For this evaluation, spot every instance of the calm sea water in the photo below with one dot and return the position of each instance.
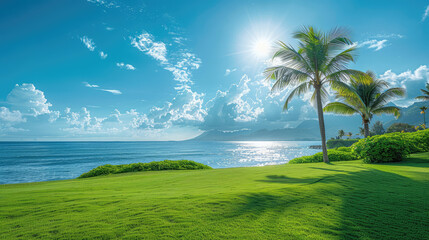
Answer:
(44, 161)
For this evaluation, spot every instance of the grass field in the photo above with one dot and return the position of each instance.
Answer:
(343, 200)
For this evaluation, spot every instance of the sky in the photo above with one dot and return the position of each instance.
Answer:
(170, 70)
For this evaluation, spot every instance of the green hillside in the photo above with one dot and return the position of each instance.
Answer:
(343, 200)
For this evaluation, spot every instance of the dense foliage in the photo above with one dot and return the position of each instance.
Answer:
(399, 127)
(334, 156)
(335, 143)
(151, 166)
(392, 147)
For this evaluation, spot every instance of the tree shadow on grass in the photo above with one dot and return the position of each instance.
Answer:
(367, 203)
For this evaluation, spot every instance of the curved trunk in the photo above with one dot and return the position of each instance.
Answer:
(321, 125)
(366, 127)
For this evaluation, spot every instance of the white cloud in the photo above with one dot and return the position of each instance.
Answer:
(109, 29)
(126, 66)
(425, 14)
(11, 116)
(89, 43)
(376, 44)
(145, 43)
(412, 81)
(29, 100)
(103, 55)
(229, 71)
(115, 92)
(90, 85)
(105, 3)
(390, 35)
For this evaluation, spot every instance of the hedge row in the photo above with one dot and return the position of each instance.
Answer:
(343, 154)
(335, 143)
(391, 147)
(151, 166)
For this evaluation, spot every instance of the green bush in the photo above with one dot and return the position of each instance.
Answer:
(381, 148)
(335, 143)
(391, 147)
(344, 149)
(151, 166)
(334, 156)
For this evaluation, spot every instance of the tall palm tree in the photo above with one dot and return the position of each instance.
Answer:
(341, 133)
(425, 96)
(424, 115)
(321, 59)
(365, 96)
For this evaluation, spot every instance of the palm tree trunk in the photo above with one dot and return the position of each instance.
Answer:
(321, 125)
(366, 127)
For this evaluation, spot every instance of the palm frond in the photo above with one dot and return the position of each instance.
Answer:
(299, 90)
(387, 110)
(284, 76)
(340, 108)
(387, 96)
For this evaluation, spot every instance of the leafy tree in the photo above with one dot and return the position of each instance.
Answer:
(341, 134)
(365, 97)
(400, 127)
(377, 128)
(425, 96)
(320, 60)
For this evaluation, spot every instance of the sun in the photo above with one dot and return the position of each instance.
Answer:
(261, 47)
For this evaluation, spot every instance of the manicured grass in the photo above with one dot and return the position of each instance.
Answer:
(342, 200)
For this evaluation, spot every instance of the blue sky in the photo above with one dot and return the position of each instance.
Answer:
(169, 70)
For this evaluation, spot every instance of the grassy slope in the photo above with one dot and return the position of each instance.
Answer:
(319, 201)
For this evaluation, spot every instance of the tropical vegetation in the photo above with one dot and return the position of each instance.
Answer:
(391, 147)
(400, 127)
(150, 166)
(335, 143)
(423, 112)
(366, 96)
(319, 61)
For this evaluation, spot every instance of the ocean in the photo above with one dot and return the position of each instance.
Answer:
(22, 162)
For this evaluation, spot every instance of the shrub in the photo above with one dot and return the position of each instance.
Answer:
(381, 148)
(151, 166)
(334, 156)
(344, 149)
(399, 127)
(391, 147)
(335, 143)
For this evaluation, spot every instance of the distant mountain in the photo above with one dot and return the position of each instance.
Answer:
(308, 130)
(411, 115)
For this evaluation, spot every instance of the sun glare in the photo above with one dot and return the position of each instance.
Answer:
(261, 48)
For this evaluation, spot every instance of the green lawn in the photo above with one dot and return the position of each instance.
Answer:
(343, 200)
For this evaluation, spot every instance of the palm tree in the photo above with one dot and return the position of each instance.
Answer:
(361, 131)
(350, 134)
(425, 92)
(424, 115)
(341, 133)
(365, 96)
(321, 59)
